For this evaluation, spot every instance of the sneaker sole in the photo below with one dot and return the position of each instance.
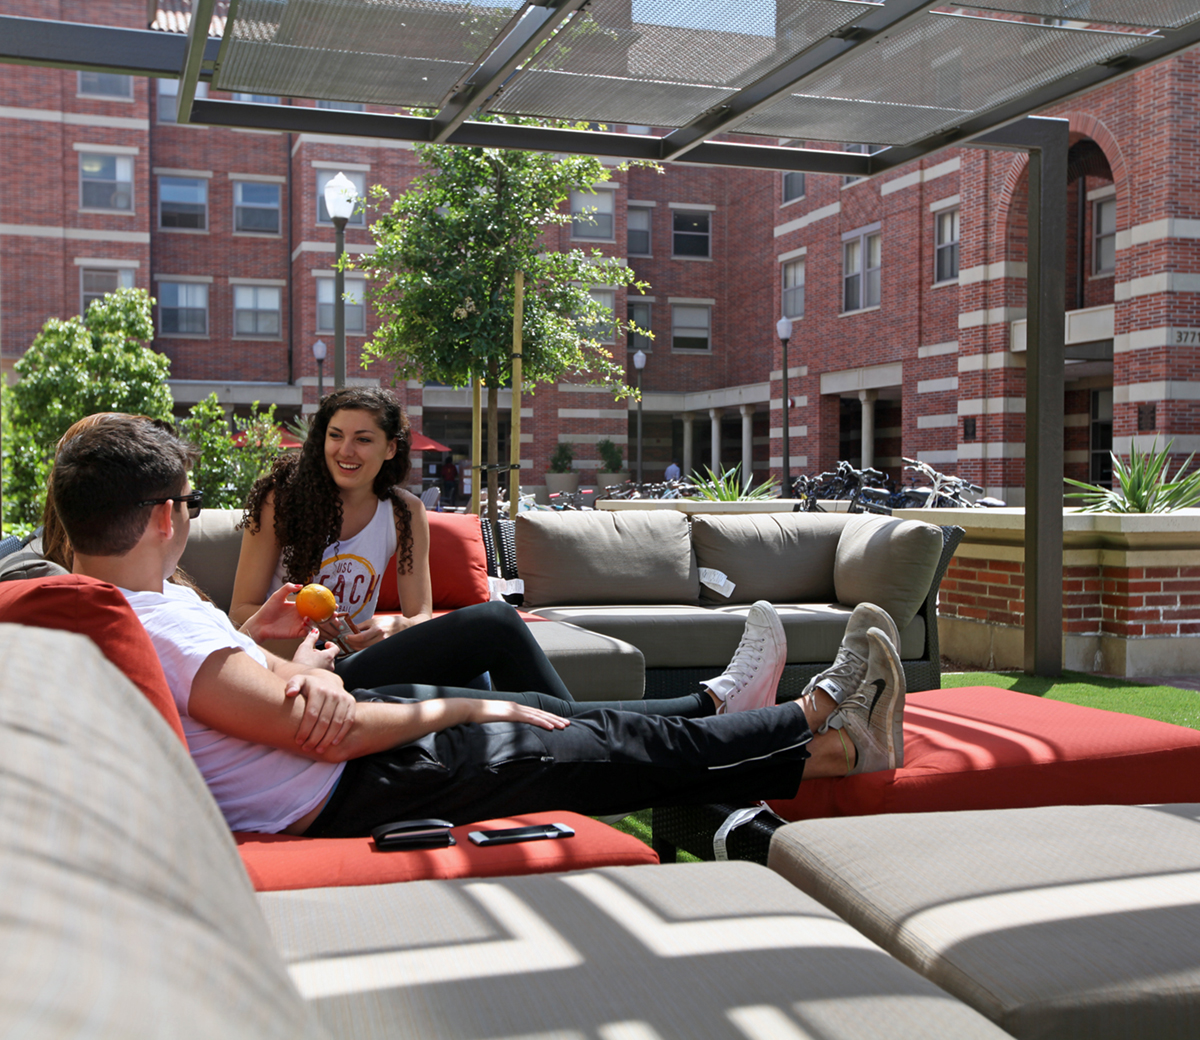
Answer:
(894, 720)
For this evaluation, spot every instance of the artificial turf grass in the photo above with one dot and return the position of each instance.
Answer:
(1164, 703)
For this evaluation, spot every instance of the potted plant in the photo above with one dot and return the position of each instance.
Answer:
(611, 463)
(561, 477)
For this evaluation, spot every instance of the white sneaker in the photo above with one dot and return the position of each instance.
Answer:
(873, 716)
(752, 678)
(843, 678)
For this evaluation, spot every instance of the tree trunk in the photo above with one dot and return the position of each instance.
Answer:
(493, 456)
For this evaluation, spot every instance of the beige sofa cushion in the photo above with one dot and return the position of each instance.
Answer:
(127, 912)
(1066, 921)
(602, 557)
(887, 562)
(211, 553)
(780, 557)
(697, 950)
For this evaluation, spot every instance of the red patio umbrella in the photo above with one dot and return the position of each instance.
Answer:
(419, 442)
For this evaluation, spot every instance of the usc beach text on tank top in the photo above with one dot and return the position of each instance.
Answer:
(352, 569)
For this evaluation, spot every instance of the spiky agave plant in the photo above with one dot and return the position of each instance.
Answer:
(726, 486)
(1144, 485)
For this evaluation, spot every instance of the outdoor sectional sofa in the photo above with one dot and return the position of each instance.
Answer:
(616, 598)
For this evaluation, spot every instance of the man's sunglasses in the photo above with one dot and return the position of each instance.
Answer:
(193, 502)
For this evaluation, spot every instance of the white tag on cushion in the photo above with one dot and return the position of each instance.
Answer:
(716, 580)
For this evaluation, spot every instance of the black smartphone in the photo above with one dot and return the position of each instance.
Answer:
(413, 834)
(511, 834)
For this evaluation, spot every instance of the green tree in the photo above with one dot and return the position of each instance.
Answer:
(230, 462)
(447, 253)
(77, 366)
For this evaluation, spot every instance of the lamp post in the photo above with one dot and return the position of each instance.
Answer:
(783, 328)
(319, 353)
(639, 362)
(340, 198)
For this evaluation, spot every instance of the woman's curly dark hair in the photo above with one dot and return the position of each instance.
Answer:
(308, 507)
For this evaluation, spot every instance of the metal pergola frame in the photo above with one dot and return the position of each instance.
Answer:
(1009, 126)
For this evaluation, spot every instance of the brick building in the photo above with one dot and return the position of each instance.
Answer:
(906, 291)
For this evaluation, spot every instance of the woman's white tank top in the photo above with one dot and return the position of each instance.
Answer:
(353, 569)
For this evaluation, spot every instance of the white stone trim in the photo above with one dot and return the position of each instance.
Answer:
(800, 401)
(1152, 285)
(641, 203)
(992, 406)
(353, 167)
(692, 301)
(935, 458)
(992, 450)
(190, 279)
(170, 171)
(792, 254)
(991, 316)
(949, 202)
(793, 431)
(593, 413)
(1145, 339)
(987, 362)
(359, 142)
(938, 349)
(1097, 194)
(329, 247)
(993, 272)
(1169, 227)
(118, 265)
(1181, 445)
(868, 378)
(697, 206)
(261, 178)
(256, 281)
(920, 176)
(105, 149)
(937, 386)
(936, 422)
(1160, 390)
(797, 462)
(811, 217)
(79, 234)
(50, 115)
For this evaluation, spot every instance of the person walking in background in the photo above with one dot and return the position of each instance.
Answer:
(449, 475)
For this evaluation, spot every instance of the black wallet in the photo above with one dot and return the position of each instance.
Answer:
(413, 834)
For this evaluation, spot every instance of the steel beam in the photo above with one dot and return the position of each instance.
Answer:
(92, 48)
(189, 76)
(537, 24)
(1046, 141)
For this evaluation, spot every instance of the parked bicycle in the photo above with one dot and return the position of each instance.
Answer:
(660, 489)
(570, 500)
(870, 491)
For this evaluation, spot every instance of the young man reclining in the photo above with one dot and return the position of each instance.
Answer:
(287, 748)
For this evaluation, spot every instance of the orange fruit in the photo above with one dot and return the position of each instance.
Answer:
(316, 603)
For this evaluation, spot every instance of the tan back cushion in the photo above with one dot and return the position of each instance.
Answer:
(781, 557)
(887, 562)
(127, 908)
(211, 553)
(602, 557)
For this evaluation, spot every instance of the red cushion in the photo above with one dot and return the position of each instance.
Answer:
(457, 564)
(979, 747)
(98, 610)
(281, 861)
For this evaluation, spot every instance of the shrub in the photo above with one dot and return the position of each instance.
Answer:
(1143, 486)
(561, 459)
(610, 456)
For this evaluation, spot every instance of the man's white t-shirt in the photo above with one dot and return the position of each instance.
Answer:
(258, 788)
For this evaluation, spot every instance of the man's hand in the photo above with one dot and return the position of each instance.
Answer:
(329, 710)
(508, 711)
(277, 618)
(308, 656)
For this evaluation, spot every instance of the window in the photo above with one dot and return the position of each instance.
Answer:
(357, 179)
(793, 289)
(603, 330)
(860, 149)
(182, 308)
(355, 311)
(690, 327)
(1104, 230)
(793, 186)
(183, 203)
(343, 106)
(94, 282)
(1100, 440)
(168, 95)
(105, 84)
(639, 314)
(861, 261)
(256, 310)
(256, 207)
(592, 214)
(105, 181)
(691, 233)
(638, 229)
(257, 99)
(945, 264)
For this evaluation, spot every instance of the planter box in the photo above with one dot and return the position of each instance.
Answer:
(556, 483)
(695, 505)
(1131, 591)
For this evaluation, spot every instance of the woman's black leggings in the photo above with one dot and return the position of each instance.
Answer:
(442, 656)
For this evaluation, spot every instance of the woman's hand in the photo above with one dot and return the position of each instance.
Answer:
(277, 618)
(308, 656)
(509, 711)
(328, 710)
(380, 627)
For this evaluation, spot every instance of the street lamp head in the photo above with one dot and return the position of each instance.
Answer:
(320, 350)
(784, 328)
(639, 360)
(340, 197)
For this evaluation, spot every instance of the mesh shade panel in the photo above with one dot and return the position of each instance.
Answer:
(1157, 14)
(961, 66)
(395, 52)
(669, 66)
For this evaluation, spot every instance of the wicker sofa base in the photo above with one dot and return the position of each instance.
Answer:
(691, 828)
